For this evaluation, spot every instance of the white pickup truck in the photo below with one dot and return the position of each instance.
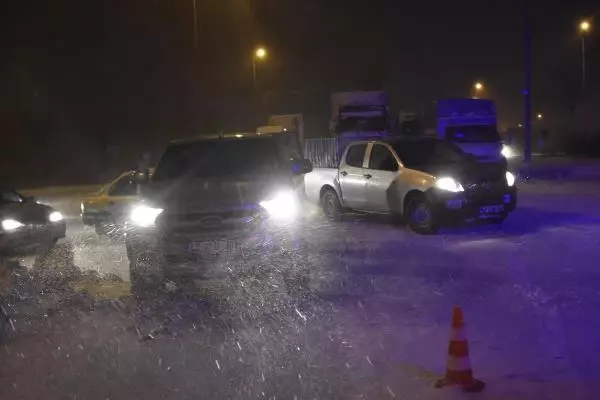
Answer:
(426, 181)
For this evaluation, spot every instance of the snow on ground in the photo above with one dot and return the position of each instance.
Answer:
(374, 324)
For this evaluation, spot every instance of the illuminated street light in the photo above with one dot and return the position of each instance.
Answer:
(259, 54)
(540, 116)
(585, 26)
(478, 88)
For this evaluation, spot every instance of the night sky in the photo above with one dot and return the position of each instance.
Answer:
(116, 71)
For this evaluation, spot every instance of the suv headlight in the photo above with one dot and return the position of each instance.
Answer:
(510, 178)
(11, 224)
(55, 216)
(449, 184)
(144, 216)
(283, 205)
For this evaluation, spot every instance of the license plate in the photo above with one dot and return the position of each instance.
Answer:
(216, 247)
(491, 210)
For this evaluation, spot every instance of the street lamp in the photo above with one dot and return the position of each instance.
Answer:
(540, 116)
(259, 54)
(585, 27)
(478, 87)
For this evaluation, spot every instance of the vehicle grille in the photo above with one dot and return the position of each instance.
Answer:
(486, 192)
(209, 223)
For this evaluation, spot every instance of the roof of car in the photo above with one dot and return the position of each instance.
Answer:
(236, 136)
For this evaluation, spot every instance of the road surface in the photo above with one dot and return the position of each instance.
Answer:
(374, 323)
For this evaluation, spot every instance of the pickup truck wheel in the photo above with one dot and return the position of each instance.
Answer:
(331, 205)
(421, 216)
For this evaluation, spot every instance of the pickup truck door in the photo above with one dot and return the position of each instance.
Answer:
(353, 184)
(381, 172)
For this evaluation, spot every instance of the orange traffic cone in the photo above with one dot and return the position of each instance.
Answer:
(458, 368)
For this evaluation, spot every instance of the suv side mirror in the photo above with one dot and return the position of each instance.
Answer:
(301, 167)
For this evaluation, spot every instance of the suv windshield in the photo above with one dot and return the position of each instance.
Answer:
(473, 134)
(219, 158)
(414, 153)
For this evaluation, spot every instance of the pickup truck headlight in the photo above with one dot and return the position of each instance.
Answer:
(283, 205)
(449, 184)
(510, 178)
(144, 216)
(11, 224)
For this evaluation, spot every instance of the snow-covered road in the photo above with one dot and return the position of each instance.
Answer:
(374, 325)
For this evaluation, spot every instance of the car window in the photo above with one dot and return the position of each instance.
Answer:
(125, 186)
(10, 196)
(382, 159)
(356, 155)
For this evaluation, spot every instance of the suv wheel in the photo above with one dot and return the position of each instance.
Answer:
(331, 205)
(421, 216)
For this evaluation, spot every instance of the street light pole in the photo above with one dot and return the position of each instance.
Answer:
(260, 54)
(582, 62)
(584, 28)
(254, 72)
(527, 80)
(195, 26)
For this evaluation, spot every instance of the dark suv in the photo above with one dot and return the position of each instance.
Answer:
(210, 198)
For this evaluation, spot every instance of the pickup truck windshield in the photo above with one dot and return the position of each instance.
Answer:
(473, 134)
(214, 159)
(428, 152)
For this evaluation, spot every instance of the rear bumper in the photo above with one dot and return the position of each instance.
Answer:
(29, 242)
(455, 207)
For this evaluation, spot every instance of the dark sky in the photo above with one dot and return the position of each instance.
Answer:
(127, 68)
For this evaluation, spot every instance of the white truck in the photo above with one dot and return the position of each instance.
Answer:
(426, 181)
(469, 123)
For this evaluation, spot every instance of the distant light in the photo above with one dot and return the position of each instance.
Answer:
(540, 116)
(285, 129)
(585, 26)
(239, 135)
(478, 86)
(260, 53)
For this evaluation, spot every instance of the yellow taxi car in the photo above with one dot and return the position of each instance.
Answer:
(106, 209)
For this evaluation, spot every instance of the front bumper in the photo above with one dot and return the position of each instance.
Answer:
(30, 240)
(454, 207)
(187, 250)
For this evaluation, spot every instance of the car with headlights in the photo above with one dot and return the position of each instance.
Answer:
(27, 227)
(209, 197)
(107, 209)
(425, 181)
